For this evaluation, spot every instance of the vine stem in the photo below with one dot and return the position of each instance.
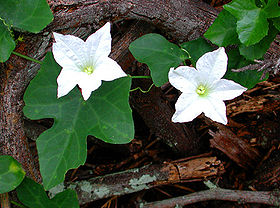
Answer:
(26, 57)
(143, 91)
(17, 204)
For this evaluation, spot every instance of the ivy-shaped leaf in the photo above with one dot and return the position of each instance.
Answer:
(7, 44)
(159, 54)
(11, 173)
(29, 15)
(33, 195)
(252, 24)
(258, 50)
(106, 115)
(223, 30)
(197, 48)
(247, 78)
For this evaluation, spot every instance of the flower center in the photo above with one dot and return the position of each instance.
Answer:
(201, 90)
(88, 69)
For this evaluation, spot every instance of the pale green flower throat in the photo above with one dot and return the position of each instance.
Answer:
(202, 90)
(88, 69)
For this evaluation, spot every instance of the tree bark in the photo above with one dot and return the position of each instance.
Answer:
(130, 181)
(234, 147)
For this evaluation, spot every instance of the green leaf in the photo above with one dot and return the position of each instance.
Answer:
(11, 173)
(252, 25)
(159, 54)
(197, 48)
(276, 23)
(247, 78)
(7, 44)
(29, 15)
(258, 50)
(106, 115)
(272, 9)
(33, 195)
(66, 199)
(223, 30)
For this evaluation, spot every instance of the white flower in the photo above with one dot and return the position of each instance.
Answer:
(85, 63)
(202, 89)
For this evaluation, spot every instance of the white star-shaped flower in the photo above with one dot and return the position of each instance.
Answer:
(85, 63)
(203, 89)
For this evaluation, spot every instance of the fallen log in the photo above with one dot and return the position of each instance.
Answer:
(137, 179)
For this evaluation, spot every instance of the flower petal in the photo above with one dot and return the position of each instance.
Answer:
(66, 81)
(183, 78)
(88, 83)
(215, 109)
(107, 69)
(213, 64)
(227, 90)
(188, 107)
(99, 43)
(69, 51)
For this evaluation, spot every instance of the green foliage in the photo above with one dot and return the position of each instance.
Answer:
(106, 115)
(276, 23)
(247, 78)
(272, 9)
(33, 195)
(196, 48)
(159, 54)
(11, 173)
(252, 24)
(256, 23)
(7, 44)
(66, 199)
(29, 15)
(223, 31)
(259, 49)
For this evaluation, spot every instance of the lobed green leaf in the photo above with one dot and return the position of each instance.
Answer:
(223, 30)
(11, 173)
(252, 24)
(258, 50)
(105, 115)
(159, 54)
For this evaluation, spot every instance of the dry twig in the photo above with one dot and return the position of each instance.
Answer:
(242, 197)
